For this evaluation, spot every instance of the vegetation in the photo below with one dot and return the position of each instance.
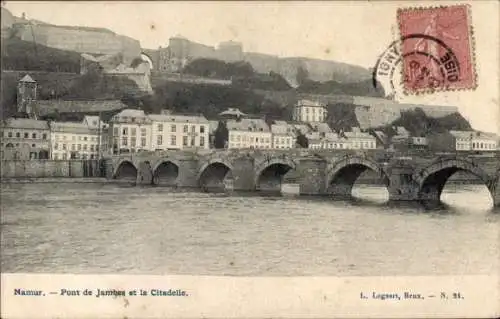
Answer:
(221, 135)
(302, 140)
(23, 55)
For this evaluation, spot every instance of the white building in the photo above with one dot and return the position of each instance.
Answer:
(129, 131)
(475, 141)
(169, 131)
(358, 140)
(249, 133)
(73, 140)
(283, 135)
(463, 140)
(484, 141)
(331, 140)
(309, 111)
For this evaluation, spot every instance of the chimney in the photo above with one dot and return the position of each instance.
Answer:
(24, 15)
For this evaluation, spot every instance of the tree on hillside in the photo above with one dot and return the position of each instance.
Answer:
(302, 75)
(221, 135)
(302, 140)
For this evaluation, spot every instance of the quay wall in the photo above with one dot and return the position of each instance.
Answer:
(50, 169)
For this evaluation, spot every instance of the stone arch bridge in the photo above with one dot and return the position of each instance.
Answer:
(419, 177)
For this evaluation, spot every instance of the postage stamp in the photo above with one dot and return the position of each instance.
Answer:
(437, 49)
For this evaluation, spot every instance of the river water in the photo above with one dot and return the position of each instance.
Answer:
(108, 228)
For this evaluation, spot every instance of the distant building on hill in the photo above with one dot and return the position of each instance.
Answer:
(309, 111)
(232, 113)
(26, 96)
(71, 38)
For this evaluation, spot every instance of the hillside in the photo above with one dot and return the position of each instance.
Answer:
(66, 86)
(23, 55)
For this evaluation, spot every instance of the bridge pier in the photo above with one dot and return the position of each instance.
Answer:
(108, 168)
(312, 176)
(188, 173)
(243, 174)
(495, 191)
(144, 174)
(401, 186)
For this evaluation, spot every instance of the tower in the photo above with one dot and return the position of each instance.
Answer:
(26, 95)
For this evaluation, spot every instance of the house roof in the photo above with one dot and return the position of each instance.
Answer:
(322, 127)
(72, 127)
(178, 118)
(22, 123)
(93, 121)
(45, 107)
(232, 111)
(27, 78)
(248, 125)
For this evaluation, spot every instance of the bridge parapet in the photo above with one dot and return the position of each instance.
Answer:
(319, 172)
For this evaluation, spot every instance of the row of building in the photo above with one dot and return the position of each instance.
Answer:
(131, 131)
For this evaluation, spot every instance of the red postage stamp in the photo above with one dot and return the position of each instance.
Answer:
(437, 49)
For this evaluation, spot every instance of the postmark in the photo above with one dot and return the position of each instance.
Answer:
(437, 50)
(402, 68)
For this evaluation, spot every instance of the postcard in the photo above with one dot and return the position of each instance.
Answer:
(250, 159)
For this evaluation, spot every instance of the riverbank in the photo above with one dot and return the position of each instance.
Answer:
(61, 180)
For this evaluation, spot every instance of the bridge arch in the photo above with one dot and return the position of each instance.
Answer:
(165, 172)
(125, 170)
(212, 174)
(342, 175)
(145, 57)
(269, 173)
(432, 179)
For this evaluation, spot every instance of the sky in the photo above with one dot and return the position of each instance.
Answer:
(355, 32)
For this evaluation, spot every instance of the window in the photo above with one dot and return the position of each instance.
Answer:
(125, 131)
(193, 141)
(160, 127)
(10, 134)
(159, 140)
(185, 128)
(185, 140)
(173, 128)
(92, 147)
(65, 156)
(133, 131)
(124, 141)
(85, 138)
(84, 147)
(18, 135)
(26, 135)
(33, 145)
(173, 140)
(143, 132)
(193, 129)
(64, 146)
(115, 131)
(56, 156)
(132, 142)
(56, 146)
(202, 140)
(202, 129)
(143, 141)
(73, 147)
